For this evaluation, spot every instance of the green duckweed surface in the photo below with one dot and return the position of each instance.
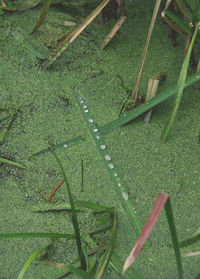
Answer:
(145, 165)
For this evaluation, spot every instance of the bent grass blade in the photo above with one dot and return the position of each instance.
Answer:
(180, 87)
(32, 257)
(114, 175)
(74, 215)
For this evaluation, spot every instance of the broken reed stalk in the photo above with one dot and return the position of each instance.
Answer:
(55, 189)
(74, 34)
(134, 95)
(152, 88)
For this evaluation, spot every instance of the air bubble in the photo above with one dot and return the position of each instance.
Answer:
(103, 146)
(107, 157)
(111, 166)
(125, 196)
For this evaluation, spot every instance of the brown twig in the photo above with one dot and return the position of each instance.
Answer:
(113, 31)
(55, 189)
(134, 95)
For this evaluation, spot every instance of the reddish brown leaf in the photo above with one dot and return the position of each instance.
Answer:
(151, 220)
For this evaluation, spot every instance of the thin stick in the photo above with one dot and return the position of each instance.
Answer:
(55, 189)
(113, 32)
(74, 34)
(134, 95)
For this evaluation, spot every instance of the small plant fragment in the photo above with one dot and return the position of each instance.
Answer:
(130, 115)
(55, 189)
(32, 257)
(152, 88)
(180, 88)
(114, 175)
(43, 14)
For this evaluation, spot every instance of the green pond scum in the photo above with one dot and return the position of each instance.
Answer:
(48, 111)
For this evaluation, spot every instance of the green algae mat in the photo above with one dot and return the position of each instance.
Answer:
(121, 166)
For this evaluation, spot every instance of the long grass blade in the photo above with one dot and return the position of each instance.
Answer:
(150, 223)
(161, 97)
(174, 236)
(36, 235)
(180, 87)
(74, 215)
(32, 257)
(114, 175)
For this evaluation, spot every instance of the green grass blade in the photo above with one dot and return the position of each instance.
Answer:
(9, 162)
(109, 250)
(170, 219)
(36, 235)
(43, 14)
(180, 87)
(189, 241)
(161, 97)
(32, 257)
(64, 144)
(114, 175)
(74, 216)
(179, 22)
